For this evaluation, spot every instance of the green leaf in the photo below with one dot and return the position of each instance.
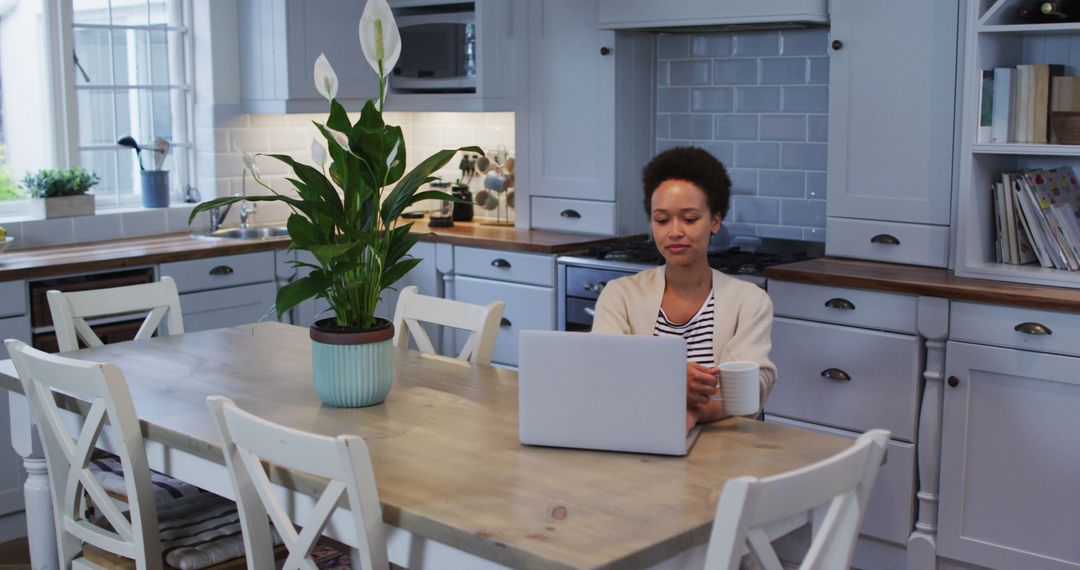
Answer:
(303, 233)
(327, 253)
(401, 196)
(339, 119)
(397, 271)
(299, 291)
(218, 202)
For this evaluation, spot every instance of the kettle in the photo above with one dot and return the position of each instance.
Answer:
(463, 212)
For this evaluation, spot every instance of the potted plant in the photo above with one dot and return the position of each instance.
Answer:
(61, 193)
(347, 215)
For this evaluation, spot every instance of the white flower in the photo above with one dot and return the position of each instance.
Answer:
(379, 37)
(392, 157)
(326, 80)
(249, 164)
(340, 137)
(318, 153)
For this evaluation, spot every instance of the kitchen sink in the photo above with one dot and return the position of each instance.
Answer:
(265, 232)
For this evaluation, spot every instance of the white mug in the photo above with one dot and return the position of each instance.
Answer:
(740, 387)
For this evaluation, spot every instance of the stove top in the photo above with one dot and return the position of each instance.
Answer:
(750, 258)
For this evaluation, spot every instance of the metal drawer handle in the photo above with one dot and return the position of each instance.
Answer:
(504, 322)
(590, 311)
(222, 270)
(595, 287)
(885, 239)
(1033, 328)
(835, 374)
(839, 303)
(500, 262)
(568, 213)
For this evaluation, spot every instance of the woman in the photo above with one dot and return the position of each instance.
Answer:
(687, 192)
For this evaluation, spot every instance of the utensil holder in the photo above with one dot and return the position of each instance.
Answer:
(155, 188)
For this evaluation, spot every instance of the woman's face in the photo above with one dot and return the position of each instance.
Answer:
(682, 222)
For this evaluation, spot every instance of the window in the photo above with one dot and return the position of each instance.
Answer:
(131, 79)
(125, 72)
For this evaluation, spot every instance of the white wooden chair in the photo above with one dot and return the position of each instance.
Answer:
(143, 532)
(833, 491)
(482, 322)
(249, 440)
(70, 310)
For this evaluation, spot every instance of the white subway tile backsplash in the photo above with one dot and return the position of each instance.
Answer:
(261, 121)
(805, 156)
(757, 155)
(693, 127)
(817, 128)
(735, 71)
(783, 128)
(815, 185)
(807, 213)
(806, 99)
(754, 210)
(736, 127)
(691, 72)
(708, 100)
(249, 140)
(144, 222)
(782, 183)
(757, 99)
(723, 151)
(711, 45)
(743, 181)
(673, 46)
(805, 42)
(751, 44)
(39, 233)
(99, 227)
(673, 99)
(784, 71)
(819, 71)
(662, 74)
(782, 232)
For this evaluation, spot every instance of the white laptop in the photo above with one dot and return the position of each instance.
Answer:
(603, 391)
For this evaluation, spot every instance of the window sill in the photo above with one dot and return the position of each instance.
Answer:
(99, 211)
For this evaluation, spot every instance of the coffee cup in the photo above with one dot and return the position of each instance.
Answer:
(740, 387)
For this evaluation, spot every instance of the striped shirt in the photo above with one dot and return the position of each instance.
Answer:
(698, 332)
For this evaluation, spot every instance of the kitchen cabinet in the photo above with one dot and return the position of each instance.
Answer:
(589, 127)
(225, 290)
(279, 43)
(623, 14)
(892, 90)
(850, 360)
(1009, 465)
(995, 38)
(523, 281)
(14, 323)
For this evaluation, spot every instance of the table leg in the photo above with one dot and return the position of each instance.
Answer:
(40, 527)
(933, 325)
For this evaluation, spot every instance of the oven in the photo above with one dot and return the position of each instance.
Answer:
(581, 277)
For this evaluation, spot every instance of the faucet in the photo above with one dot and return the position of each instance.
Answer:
(217, 215)
(246, 212)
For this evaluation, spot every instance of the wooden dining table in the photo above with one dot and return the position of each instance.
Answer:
(457, 487)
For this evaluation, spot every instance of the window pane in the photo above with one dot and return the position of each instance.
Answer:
(96, 117)
(162, 103)
(129, 13)
(102, 163)
(125, 116)
(159, 57)
(91, 11)
(159, 12)
(93, 63)
(26, 142)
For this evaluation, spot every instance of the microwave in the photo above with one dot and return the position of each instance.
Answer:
(438, 53)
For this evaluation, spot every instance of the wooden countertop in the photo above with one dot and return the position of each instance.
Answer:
(128, 252)
(924, 281)
(445, 451)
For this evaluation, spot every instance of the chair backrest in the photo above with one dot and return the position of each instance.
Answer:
(248, 440)
(482, 322)
(67, 450)
(70, 310)
(833, 491)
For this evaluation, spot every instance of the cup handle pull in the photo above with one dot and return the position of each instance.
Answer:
(836, 374)
(839, 303)
(505, 322)
(222, 270)
(1033, 328)
(885, 239)
(569, 213)
(501, 263)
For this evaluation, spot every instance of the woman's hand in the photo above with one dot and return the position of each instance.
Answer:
(700, 384)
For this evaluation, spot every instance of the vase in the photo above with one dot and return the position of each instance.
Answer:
(62, 206)
(155, 188)
(352, 368)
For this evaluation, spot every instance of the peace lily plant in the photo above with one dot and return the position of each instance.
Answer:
(346, 214)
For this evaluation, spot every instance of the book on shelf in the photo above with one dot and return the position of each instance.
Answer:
(1020, 102)
(1037, 218)
(986, 106)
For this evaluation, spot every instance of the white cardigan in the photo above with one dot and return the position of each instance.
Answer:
(742, 319)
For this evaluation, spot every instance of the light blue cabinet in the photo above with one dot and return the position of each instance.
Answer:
(891, 109)
(628, 14)
(589, 127)
(279, 43)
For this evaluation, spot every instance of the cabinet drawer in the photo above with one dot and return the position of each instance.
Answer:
(527, 308)
(998, 325)
(222, 271)
(856, 307)
(919, 244)
(505, 265)
(890, 512)
(247, 304)
(12, 298)
(580, 216)
(587, 283)
(883, 370)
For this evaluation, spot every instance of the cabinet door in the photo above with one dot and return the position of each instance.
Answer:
(892, 91)
(527, 308)
(571, 125)
(220, 308)
(1009, 461)
(11, 476)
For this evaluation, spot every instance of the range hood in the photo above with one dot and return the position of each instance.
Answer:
(710, 15)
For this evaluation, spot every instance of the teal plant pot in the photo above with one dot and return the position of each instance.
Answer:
(352, 369)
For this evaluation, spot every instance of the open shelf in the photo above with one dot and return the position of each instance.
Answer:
(1032, 273)
(1027, 149)
(1067, 27)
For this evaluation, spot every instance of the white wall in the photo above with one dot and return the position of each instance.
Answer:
(26, 100)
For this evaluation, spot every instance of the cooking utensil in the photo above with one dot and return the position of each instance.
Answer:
(161, 150)
(496, 182)
(487, 200)
(483, 164)
(510, 199)
(130, 143)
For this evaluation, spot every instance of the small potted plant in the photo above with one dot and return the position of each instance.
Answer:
(347, 215)
(61, 193)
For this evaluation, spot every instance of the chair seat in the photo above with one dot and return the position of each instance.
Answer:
(197, 532)
(109, 472)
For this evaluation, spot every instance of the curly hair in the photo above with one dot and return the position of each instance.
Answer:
(693, 165)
